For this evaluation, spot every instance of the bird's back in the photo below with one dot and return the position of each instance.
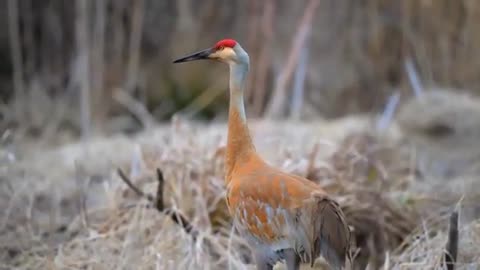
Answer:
(277, 211)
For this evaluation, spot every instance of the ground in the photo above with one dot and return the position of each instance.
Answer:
(66, 208)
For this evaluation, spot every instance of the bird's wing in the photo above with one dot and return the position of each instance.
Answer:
(329, 232)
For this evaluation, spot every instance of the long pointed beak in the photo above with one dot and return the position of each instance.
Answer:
(196, 56)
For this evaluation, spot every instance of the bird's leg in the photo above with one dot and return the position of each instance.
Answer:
(262, 262)
(292, 260)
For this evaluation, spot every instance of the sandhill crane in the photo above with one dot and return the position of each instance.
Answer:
(282, 216)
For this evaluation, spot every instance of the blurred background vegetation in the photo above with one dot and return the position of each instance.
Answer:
(98, 70)
(104, 66)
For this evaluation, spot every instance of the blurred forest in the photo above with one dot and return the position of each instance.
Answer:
(106, 66)
(88, 89)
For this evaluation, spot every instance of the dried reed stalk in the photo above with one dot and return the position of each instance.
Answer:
(276, 105)
(83, 71)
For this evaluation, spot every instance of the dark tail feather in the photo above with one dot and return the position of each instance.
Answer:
(332, 235)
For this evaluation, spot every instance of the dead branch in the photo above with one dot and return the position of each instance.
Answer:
(135, 189)
(303, 30)
(135, 107)
(413, 77)
(159, 199)
(451, 249)
(82, 184)
(311, 161)
(296, 103)
(386, 118)
(159, 204)
(202, 101)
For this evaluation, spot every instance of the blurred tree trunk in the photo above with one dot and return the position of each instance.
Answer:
(17, 59)
(82, 65)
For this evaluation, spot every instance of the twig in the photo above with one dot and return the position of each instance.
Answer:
(181, 220)
(174, 215)
(299, 83)
(206, 98)
(82, 188)
(279, 95)
(387, 115)
(135, 189)
(311, 161)
(161, 181)
(135, 107)
(413, 77)
(451, 249)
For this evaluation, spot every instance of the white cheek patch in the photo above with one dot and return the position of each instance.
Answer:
(225, 54)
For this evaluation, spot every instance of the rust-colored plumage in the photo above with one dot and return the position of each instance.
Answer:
(282, 216)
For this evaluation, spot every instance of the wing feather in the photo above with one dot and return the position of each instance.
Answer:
(331, 234)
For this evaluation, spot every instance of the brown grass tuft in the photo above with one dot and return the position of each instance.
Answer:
(396, 219)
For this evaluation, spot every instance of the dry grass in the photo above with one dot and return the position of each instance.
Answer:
(444, 125)
(425, 249)
(66, 208)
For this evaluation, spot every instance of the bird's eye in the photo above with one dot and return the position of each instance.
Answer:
(221, 48)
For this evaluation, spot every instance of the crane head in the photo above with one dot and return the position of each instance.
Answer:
(225, 50)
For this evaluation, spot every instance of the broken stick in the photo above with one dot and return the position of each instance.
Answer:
(451, 248)
(158, 202)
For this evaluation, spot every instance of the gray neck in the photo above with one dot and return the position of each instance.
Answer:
(238, 74)
(239, 143)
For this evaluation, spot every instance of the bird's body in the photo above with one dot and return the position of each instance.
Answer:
(282, 216)
(279, 213)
